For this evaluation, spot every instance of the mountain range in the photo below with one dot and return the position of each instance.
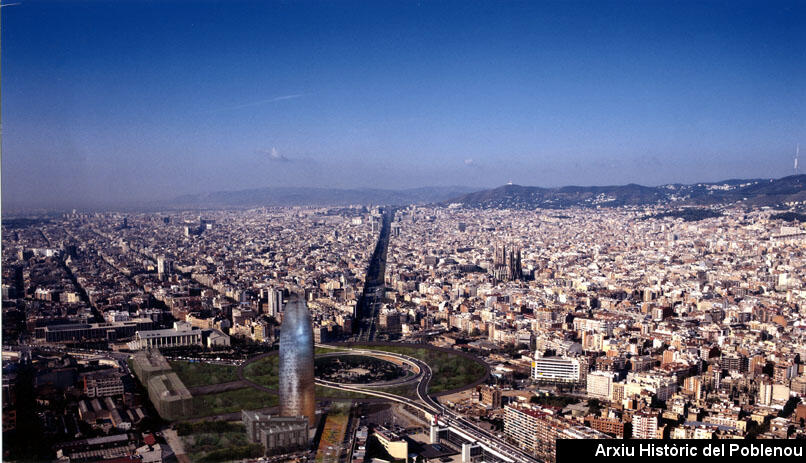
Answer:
(748, 192)
(753, 192)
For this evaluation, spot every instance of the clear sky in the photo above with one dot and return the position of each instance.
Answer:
(138, 100)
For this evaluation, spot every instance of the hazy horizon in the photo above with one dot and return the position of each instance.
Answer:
(126, 102)
(176, 202)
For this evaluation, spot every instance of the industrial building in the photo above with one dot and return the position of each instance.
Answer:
(170, 397)
(277, 434)
(149, 363)
(103, 383)
(90, 332)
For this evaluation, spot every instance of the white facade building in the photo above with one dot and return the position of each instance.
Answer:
(600, 385)
(561, 369)
(645, 425)
(182, 334)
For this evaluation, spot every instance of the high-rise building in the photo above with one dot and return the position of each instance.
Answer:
(783, 371)
(389, 320)
(164, 266)
(693, 386)
(536, 430)
(274, 302)
(600, 385)
(617, 392)
(490, 396)
(735, 362)
(296, 361)
(765, 391)
(645, 424)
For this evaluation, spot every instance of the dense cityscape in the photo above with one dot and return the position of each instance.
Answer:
(395, 231)
(139, 336)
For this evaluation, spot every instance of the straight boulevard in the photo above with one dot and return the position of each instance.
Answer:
(372, 297)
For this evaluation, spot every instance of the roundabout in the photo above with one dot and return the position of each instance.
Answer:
(429, 370)
(367, 370)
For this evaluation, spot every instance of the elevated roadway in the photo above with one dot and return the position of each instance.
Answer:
(442, 417)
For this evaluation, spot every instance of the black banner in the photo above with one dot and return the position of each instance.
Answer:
(572, 450)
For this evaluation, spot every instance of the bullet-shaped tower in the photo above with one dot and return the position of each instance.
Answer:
(296, 361)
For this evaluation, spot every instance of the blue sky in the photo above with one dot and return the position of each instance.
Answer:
(126, 100)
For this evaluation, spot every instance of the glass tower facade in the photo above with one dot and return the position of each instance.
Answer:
(296, 361)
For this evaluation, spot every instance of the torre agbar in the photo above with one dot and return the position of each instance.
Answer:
(296, 361)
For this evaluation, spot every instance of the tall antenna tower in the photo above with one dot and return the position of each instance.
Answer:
(797, 157)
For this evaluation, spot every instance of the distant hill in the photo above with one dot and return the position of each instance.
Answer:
(753, 192)
(293, 196)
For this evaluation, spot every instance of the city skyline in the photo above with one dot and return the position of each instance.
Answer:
(395, 230)
(131, 101)
(587, 323)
